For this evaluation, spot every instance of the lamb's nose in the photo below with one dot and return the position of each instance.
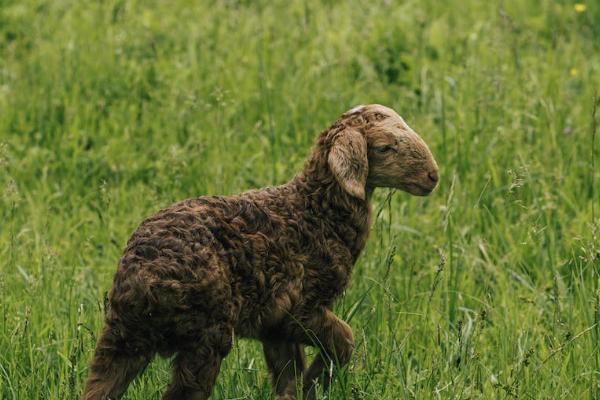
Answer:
(433, 175)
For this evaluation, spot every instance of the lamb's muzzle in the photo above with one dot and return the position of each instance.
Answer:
(267, 264)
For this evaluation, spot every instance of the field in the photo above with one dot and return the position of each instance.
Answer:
(487, 289)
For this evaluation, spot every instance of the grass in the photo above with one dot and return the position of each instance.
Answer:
(489, 288)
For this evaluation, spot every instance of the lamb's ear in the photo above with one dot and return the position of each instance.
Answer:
(348, 162)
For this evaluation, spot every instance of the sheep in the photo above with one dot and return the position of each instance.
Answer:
(267, 264)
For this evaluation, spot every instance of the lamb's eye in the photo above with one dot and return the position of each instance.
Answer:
(384, 149)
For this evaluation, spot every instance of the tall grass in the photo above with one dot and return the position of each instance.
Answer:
(489, 288)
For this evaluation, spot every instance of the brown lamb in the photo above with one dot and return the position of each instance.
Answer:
(267, 264)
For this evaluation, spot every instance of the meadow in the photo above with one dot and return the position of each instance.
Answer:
(487, 289)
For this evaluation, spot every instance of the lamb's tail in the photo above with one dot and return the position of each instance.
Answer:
(111, 369)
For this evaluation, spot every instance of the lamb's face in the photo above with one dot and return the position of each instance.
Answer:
(371, 146)
(397, 156)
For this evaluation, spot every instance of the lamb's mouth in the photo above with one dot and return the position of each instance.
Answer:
(416, 189)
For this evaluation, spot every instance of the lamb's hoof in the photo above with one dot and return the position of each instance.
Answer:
(287, 396)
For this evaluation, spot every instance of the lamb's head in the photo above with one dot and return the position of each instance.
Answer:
(371, 146)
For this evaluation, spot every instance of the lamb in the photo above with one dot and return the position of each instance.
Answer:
(267, 264)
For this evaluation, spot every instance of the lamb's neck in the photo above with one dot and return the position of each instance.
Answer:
(348, 216)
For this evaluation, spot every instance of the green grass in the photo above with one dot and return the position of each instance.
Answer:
(489, 288)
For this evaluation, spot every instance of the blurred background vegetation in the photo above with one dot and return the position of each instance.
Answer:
(489, 288)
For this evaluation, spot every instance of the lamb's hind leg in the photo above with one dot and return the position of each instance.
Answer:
(334, 339)
(285, 362)
(112, 368)
(197, 364)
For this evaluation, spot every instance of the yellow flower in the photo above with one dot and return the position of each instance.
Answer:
(573, 71)
(580, 7)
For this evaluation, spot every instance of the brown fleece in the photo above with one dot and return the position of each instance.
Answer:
(267, 264)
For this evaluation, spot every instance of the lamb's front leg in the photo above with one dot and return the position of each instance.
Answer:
(286, 362)
(334, 339)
